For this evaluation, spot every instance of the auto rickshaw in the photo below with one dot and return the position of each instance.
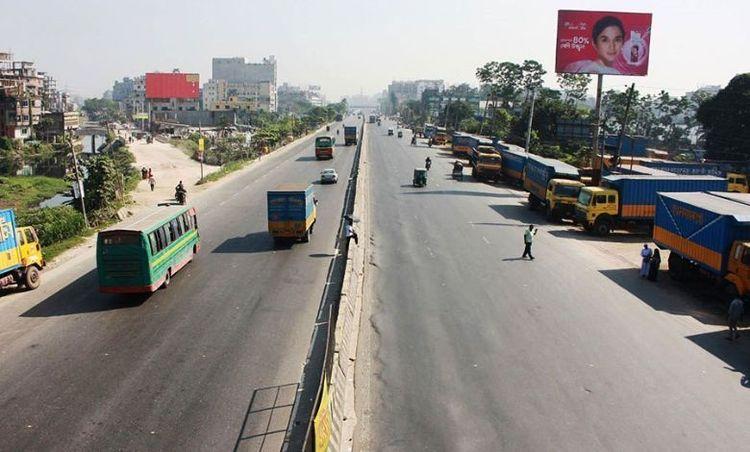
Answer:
(400, 134)
(328, 128)
(420, 177)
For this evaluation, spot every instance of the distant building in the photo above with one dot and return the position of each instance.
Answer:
(130, 94)
(21, 91)
(172, 91)
(213, 92)
(247, 83)
(412, 90)
(55, 124)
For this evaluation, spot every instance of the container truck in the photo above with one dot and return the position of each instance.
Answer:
(21, 256)
(628, 201)
(292, 212)
(707, 232)
(324, 147)
(514, 161)
(461, 143)
(372, 119)
(486, 163)
(350, 135)
(552, 184)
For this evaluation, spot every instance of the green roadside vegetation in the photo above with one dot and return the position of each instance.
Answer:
(271, 130)
(667, 122)
(111, 177)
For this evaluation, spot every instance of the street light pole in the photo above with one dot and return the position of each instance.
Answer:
(79, 182)
(531, 118)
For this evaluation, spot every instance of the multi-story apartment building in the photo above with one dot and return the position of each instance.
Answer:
(249, 83)
(130, 94)
(21, 89)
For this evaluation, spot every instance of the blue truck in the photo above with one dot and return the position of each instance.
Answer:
(513, 160)
(630, 200)
(292, 212)
(707, 232)
(552, 184)
(350, 135)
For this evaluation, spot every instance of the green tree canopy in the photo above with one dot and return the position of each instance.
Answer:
(726, 121)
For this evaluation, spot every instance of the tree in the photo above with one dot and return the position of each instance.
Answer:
(457, 111)
(531, 77)
(102, 110)
(726, 121)
(575, 86)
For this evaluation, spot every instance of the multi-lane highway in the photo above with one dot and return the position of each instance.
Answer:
(80, 370)
(465, 346)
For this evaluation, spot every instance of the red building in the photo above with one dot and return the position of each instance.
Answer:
(172, 91)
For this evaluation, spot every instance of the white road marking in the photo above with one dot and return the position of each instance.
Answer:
(485, 240)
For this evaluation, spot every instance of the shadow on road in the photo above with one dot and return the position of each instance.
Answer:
(306, 158)
(462, 193)
(733, 353)
(255, 242)
(698, 299)
(511, 259)
(82, 296)
(518, 212)
(577, 233)
(267, 418)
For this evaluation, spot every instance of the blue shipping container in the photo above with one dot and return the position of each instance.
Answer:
(540, 170)
(514, 160)
(688, 169)
(702, 226)
(8, 242)
(290, 202)
(638, 193)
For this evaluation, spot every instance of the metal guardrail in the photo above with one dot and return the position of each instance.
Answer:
(319, 363)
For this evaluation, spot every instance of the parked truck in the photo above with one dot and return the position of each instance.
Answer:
(552, 184)
(486, 163)
(324, 147)
(350, 135)
(372, 119)
(21, 256)
(292, 212)
(514, 161)
(708, 233)
(628, 201)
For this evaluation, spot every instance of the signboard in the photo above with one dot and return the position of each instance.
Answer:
(201, 149)
(78, 191)
(601, 42)
(323, 421)
(143, 116)
(166, 85)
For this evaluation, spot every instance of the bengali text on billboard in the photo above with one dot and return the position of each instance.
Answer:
(599, 42)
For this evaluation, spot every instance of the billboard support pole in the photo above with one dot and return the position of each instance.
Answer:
(597, 125)
(531, 119)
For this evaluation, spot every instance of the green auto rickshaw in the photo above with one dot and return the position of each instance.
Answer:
(420, 177)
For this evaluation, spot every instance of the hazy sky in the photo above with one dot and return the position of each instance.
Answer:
(348, 46)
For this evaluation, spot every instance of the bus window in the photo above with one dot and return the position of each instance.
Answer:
(175, 230)
(185, 222)
(194, 221)
(153, 243)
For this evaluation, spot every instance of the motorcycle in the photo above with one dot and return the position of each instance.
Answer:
(181, 196)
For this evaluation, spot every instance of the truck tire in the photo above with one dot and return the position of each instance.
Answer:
(602, 226)
(550, 214)
(306, 236)
(533, 202)
(31, 278)
(676, 265)
(474, 173)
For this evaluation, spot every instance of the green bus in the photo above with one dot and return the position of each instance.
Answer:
(143, 256)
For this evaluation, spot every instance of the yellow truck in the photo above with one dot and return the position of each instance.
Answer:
(20, 253)
(737, 183)
(485, 163)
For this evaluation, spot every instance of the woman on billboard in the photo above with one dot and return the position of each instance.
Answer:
(608, 38)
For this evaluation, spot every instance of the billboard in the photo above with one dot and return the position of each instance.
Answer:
(165, 85)
(601, 42)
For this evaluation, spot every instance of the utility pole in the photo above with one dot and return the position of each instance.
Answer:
(531, 119)
(597, 172)
(79, 182)
(624, 125)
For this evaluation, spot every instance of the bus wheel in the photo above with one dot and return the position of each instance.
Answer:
(167, 279)
(31, 278)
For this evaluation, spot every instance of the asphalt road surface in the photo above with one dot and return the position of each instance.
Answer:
(80, 370)
(467, 347)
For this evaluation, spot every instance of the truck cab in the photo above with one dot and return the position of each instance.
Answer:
(597, 208)
(737, 183)
(485, 163)
(738, 267)
(562, 195)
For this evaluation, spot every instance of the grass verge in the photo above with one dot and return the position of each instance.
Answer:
(225, 169)
(57, 248)
(24, 192)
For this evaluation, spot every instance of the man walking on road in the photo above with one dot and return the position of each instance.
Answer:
(152, 182)
(528, 237)
(736, 309)
(350, 232)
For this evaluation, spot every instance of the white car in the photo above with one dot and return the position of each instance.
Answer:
(329, 175)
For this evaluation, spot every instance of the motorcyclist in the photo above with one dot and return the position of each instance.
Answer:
(427, 163)
(180, 192)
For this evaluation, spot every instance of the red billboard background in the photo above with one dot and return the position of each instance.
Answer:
(165, 85)
(621, 48)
